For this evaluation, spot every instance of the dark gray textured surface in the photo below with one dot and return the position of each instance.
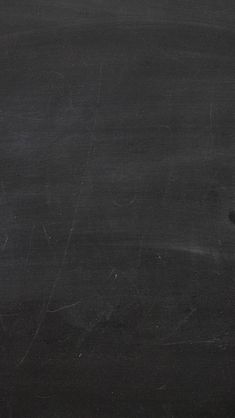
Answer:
(117, 224)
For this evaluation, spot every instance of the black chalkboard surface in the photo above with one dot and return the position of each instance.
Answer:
(117, 227)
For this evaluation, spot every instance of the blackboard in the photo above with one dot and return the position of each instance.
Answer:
(117, 227)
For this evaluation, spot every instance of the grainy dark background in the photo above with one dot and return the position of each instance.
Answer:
(117, 200)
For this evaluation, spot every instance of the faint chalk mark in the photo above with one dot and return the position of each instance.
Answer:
(190, 342)
(124, 205)
(181, 324)
(44, 396)
(4, 244)
(48, 237)
(162, 387)
(64, 307)
(30, 247)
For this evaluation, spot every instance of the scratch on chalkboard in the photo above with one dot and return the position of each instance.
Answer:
(62, 308)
